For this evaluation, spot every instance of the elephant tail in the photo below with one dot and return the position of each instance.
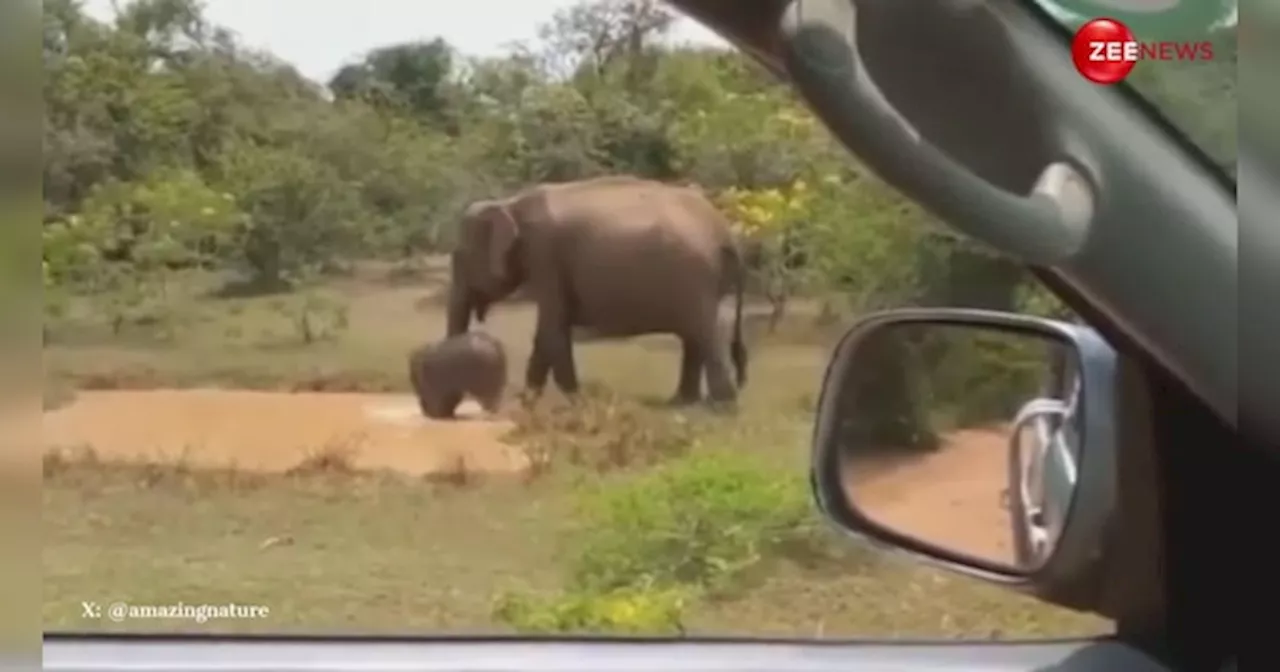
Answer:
(737, 348)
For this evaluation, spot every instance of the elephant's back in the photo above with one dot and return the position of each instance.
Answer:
(483, 346)
(653, 281)
(645, 214)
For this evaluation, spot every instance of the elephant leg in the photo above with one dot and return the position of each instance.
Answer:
(721, 386)
(418, 392)
(553, 348)
(492, 404)
(535, 374)
(449, 407)
(689, 388)
(559, 349)
(552, 341)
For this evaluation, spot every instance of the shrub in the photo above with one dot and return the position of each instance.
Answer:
(600, 430)
(625, 611)
(700, 522)
(978, 377)
(317, 317)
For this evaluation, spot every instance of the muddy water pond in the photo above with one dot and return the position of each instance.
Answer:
(273, 431)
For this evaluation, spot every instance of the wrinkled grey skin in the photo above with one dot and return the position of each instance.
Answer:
(609, 257)
(472, 363)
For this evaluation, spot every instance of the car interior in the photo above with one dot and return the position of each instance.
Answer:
(974, 110)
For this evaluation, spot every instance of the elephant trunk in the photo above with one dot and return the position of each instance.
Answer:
(462, 305)
(463, 299)
(459, 313)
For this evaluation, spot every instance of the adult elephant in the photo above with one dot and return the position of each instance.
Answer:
(613, 256)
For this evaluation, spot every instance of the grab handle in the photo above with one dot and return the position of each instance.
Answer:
(1043, 227)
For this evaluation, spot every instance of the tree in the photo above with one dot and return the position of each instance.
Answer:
(414, 79)
(300, 217)
(589, 38)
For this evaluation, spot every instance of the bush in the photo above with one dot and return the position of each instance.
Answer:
(984, 377)
(884, 405)
(600, 430)
(645, 548)
(317, 317)
(700, 522)
(922, 382)
(625, 611)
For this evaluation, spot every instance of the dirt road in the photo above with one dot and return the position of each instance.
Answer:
(951, 497)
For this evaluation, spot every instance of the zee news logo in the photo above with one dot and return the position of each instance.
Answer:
(1105, 51)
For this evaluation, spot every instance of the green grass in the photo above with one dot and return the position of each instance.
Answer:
(385, 553)
(327, 548)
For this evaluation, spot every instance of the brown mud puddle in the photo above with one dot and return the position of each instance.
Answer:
(272, 431)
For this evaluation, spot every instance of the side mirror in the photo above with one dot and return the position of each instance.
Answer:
(980, 441)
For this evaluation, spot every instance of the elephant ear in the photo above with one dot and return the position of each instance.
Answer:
(502, 235)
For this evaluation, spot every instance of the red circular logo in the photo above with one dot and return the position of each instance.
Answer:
(1104, 51)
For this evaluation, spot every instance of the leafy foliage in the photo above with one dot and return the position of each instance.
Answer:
(701, 521)
(624, 611)
(600, 431)
(380, 163)
(643, 549)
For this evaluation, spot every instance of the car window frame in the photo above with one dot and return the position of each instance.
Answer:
(1149, 108)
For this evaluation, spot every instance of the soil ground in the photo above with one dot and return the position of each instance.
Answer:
(273, 431)
(197, 494)
(951, 496)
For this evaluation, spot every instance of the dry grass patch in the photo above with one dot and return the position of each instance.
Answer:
(334, 457)
(600, 430)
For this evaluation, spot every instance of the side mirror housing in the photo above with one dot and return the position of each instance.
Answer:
(982, 442)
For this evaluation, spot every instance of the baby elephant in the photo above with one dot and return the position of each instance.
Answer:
(473, 363)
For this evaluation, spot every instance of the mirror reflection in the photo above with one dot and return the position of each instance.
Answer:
(965, 437)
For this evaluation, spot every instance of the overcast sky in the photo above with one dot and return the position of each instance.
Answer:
(319, 36)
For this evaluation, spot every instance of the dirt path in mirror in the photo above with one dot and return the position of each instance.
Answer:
(277, 431)
(951, 497)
